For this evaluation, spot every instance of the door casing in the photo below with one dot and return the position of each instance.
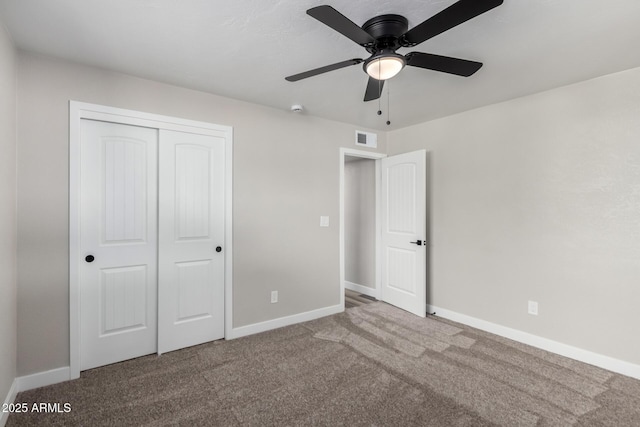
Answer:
(79, 111)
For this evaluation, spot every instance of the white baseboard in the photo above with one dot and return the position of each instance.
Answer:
(11, 398)
(42, 379)
(365, 290)
(596, 359)
(283, 321)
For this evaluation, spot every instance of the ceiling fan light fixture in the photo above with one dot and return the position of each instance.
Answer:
(385, 66)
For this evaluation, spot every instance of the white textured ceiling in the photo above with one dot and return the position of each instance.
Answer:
(243, 49)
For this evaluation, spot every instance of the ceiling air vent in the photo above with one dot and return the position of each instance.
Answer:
(366, 139)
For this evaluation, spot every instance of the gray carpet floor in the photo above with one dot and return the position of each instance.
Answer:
(373, 365)
(355, 299)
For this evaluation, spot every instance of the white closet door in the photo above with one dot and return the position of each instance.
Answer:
(191, 238)
(404, 221)
(118, 244)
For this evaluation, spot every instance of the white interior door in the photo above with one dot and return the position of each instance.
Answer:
(403, 220)
(191, 240)
(118, 243)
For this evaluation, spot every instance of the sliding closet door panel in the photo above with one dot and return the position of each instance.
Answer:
(118, 273)
(191, 239)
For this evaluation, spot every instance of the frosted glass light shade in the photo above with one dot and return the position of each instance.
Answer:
(385, 67)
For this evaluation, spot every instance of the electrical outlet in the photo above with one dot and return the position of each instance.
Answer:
(274, 297)
(533, 308)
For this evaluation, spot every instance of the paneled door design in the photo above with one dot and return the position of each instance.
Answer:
(149, 234)
(118, 243)
(191, 240)
(403, 233)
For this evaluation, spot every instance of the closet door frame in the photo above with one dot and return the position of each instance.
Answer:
(79, 111)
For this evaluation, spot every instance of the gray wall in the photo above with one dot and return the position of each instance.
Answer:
(359, 221)
(286, 172)
(533, 199)
(538, 199)
(7, 214)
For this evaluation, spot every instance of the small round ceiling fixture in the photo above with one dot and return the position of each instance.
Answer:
(297, 108)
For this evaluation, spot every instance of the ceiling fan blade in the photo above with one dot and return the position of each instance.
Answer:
(334, 19)
(324, 69)
(446, 64)
(454, 15)
(374, 89)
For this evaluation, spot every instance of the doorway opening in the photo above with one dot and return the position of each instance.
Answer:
(359, 226)
(400, 231)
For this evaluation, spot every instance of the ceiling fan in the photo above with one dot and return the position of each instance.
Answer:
(383, 35)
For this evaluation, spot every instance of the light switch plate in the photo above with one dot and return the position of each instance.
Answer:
(324, 221)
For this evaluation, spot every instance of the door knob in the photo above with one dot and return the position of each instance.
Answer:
(89, 258)
(219, 249)
(417, 242)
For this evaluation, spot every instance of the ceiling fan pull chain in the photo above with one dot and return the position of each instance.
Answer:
(388, 104)
(379, 90)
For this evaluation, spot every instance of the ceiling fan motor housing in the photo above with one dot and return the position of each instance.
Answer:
(386, 26)
(386, 30)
